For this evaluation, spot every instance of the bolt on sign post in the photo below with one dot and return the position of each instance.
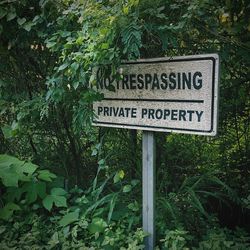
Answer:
(177, 94)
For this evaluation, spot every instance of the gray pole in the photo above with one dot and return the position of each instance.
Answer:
(148, 187)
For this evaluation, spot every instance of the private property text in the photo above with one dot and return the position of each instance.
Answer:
(155, 114)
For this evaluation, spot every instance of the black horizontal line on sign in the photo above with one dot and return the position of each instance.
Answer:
(153, 100)
(150, 126)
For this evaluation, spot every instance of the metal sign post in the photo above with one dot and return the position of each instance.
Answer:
(148, 187)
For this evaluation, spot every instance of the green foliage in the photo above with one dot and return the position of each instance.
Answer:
(48, 53)
(216, 238)
(13, 170)
(224, 239)
(82, 219)
(69, 218)
(56, 197)
(7, 211)
(131, 38)
(118, 176)
(33, 190)
(176, 239)
(25, 184)
(97, 225)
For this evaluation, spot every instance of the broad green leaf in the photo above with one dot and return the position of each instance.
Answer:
(101, 162)
(9, 177)
(76, 84)
(14, 125)
(65, 33)
(29, 168)
(79, 40)
(118, 176)
(7, 211)
(27, 26)
(11, 15)
(8, 170)
(31, 195)
(127, 188)
(121, 174)
(21, 21)
(54, 240)
(94, 152)
(105, 46)
(97, 225)
(74, 66)
(60, 201)
(7, 132)
(56, 197)
(135, 182)
(12, 170)
(33, 190)
(8, 160)
(126, 10)
(48, 202)
(69, 218)
(50, 44)
(36, 18)
(133, 206)
(63, 66)
(58, 191)
(46, 175)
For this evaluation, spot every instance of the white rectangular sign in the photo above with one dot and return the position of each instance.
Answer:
(178, 94)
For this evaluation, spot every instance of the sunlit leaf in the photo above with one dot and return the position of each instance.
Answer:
(127, 188)
(97, 225)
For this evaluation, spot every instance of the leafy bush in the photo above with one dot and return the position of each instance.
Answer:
(24, 184)
(220, 239)
(216, 239)
(77, 219)
(176, 239)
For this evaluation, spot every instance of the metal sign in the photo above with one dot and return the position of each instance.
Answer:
(178, 94)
